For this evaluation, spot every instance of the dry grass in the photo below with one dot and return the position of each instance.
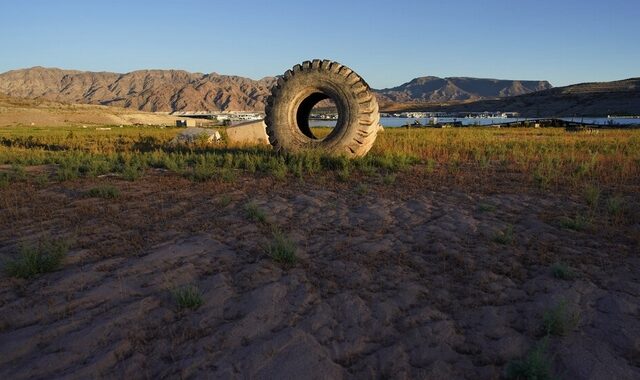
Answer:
(545, 158)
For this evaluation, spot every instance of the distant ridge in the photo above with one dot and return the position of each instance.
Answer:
(177, 90)
(621, 98)
(146, 90)
(434, 89)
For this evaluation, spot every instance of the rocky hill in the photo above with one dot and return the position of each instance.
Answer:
(175, 90)
(146, 90)
(437, 90)
(586, 99)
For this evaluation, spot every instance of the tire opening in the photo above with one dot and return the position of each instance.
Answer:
(320, 108)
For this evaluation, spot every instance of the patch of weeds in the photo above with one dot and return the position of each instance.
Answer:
(202, 171)
(343, 175)
(592, 195)
(562, 271)
(224, 200)
(67, 171)
(615, 207)
(254, 213)
(4, 180)
(362, 189)
(542, 178)
(18, 173)
(41, 180)
(132, 172)
(486, 207)
(227, 175)
(334, 162)
(187, 297)
(281, 249)
(580, 222)
(559, 320)
(389, 179)
(535, 366)
(505, 236)
(106, 192)
(44, 257)
(430, 165)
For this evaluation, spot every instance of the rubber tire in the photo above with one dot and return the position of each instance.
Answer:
(299, 89)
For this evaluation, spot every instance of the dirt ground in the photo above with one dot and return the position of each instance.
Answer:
(399, 280)
(28, 112)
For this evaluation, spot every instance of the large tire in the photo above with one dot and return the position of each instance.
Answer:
(302, 87)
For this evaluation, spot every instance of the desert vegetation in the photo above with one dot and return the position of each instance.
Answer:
(444, 253)
(547, 158)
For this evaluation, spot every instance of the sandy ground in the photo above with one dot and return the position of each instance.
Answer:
(396, 281)
(14, 111)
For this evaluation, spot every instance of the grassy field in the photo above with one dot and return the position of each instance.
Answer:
(545, 159)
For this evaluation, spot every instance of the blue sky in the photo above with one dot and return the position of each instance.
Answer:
(387, 42)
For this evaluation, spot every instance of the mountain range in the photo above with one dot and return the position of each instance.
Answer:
(176, 90)
(620, 98)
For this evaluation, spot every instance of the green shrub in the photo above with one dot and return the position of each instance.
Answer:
(44, 257)
(559, 320)
(504, 237)
(106, 192)
(535, 366)
(592, 195)
(615, 207)
(254, 213)
(187, 297)
(486, 207)
(579, 222)
(282, 249)
(224, 200)
(562, 271)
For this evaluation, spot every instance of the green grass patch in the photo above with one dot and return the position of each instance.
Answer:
(536, 365)
(187, 297)
(616, 208)
(579, 222)
(562, 271)
(486, 207)
(255, 213)
(33, 260)
(361, 189)
(281, 249)
(224, 201)
(592, 195)
(504, 237)
(106, 192)
(560, 320)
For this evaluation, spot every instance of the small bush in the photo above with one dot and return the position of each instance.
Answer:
(254, 213)
(188, 297)
(282, 249)
(362, 189)
(4, 180)
(535, 366)
(592, 195)
(45, 257)
(224, 200)
(504, 237)
(578, 223)
(106, 192)
(559, 320)
(389, 179)
(486, 207)
(615, 207)
(18, 173)
(562, 271)
(343, 175)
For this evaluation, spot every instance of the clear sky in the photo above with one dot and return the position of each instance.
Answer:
(387, 42)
